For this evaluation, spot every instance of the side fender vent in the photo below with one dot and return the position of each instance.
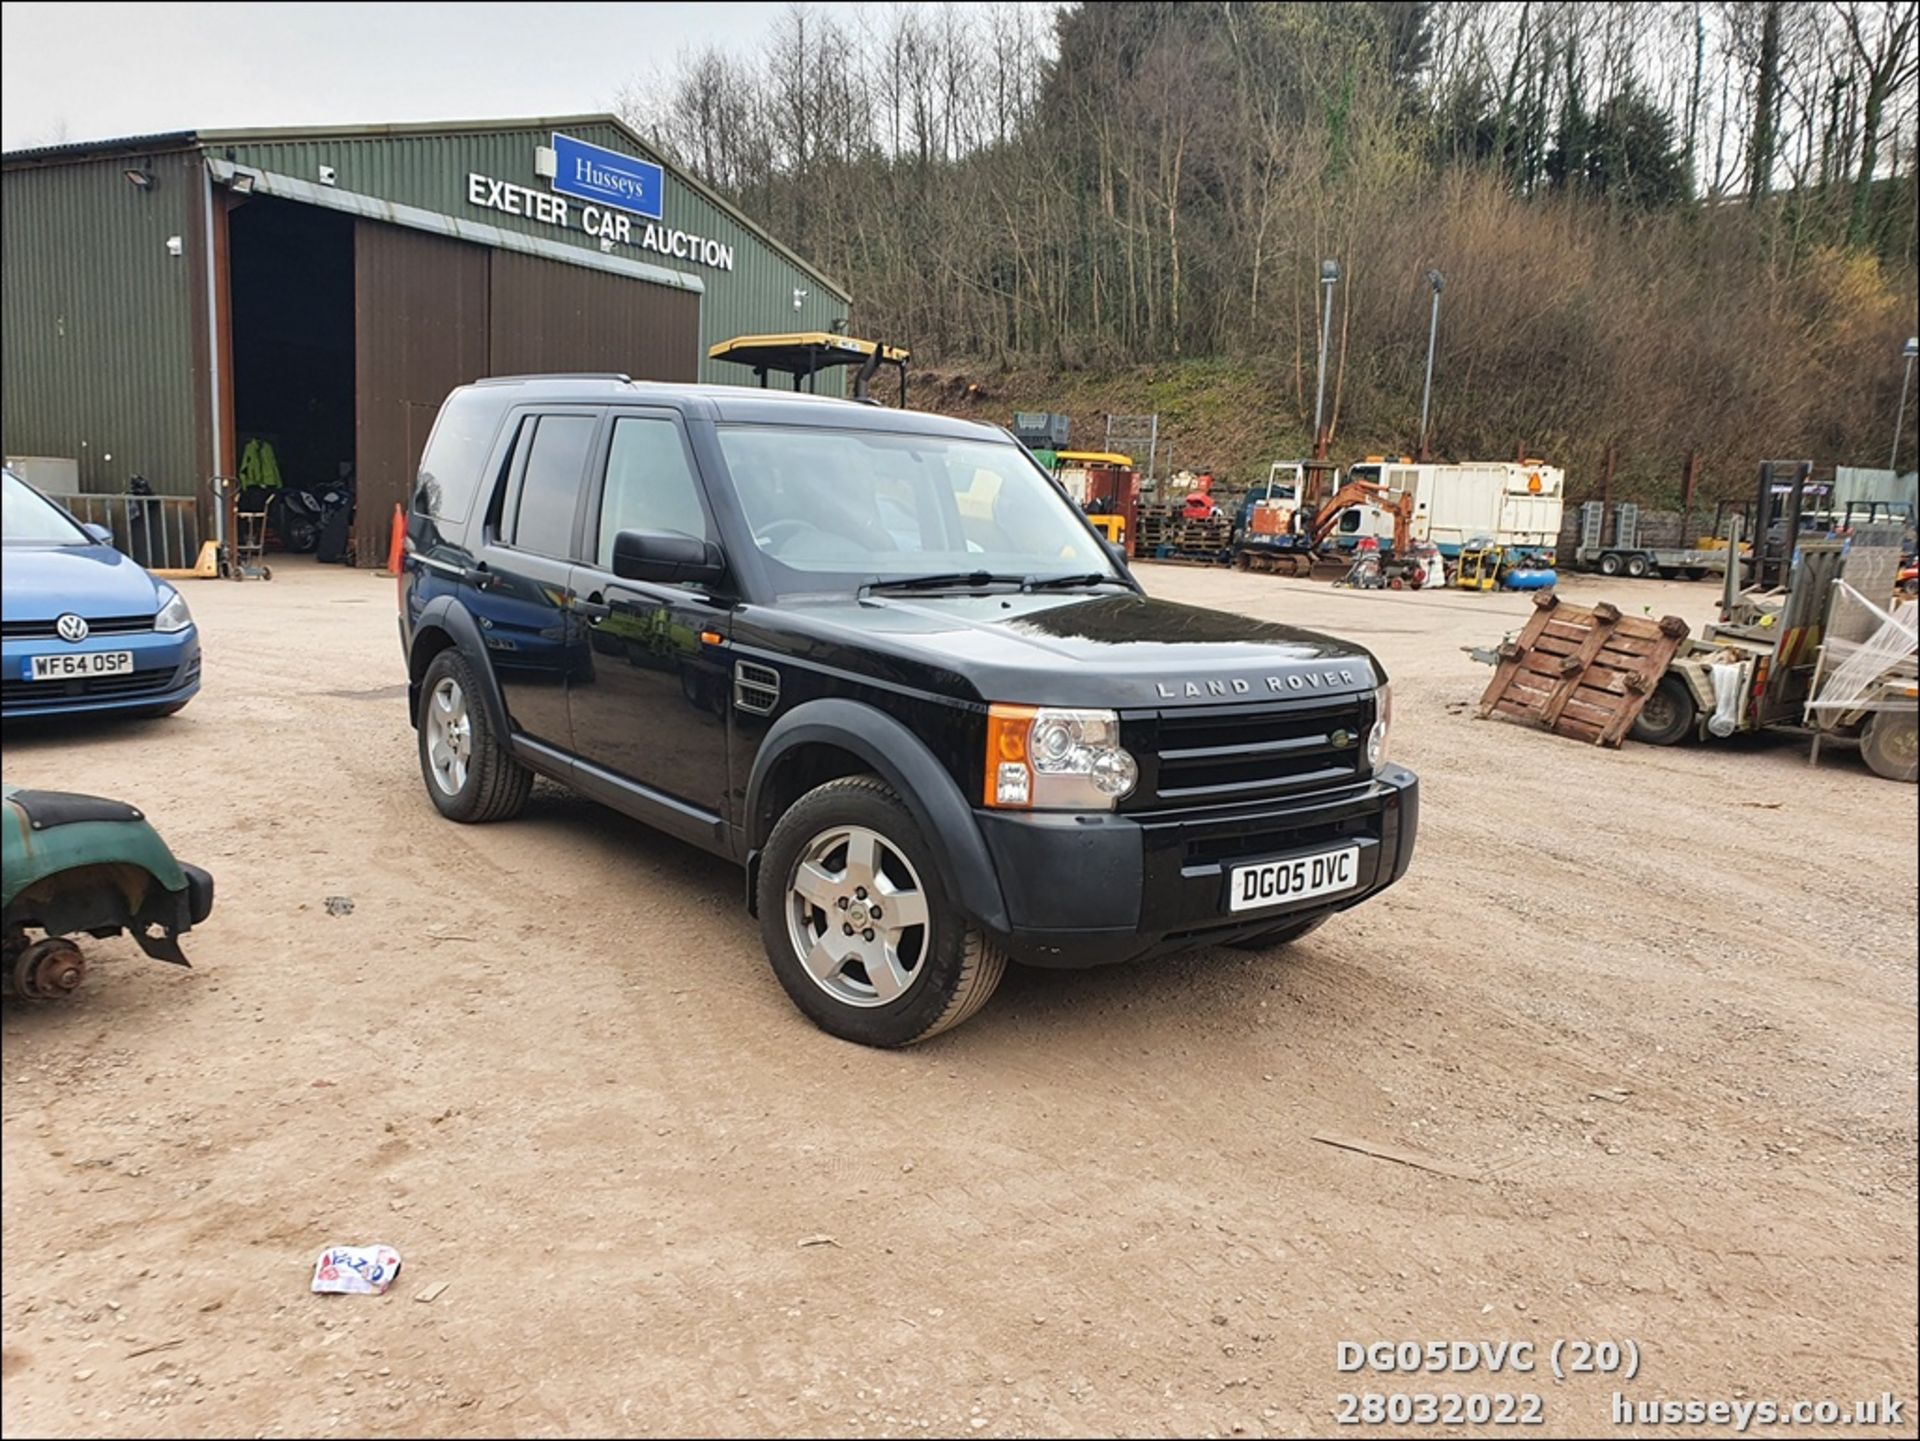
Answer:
(756, 688)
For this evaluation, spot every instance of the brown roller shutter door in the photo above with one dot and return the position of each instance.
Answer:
(547, 316)
(419, 329)
(432, 313)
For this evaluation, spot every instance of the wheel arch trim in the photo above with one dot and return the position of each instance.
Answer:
(457, 622)
(902, 760)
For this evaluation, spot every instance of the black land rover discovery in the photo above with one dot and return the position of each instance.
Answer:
(880, 660)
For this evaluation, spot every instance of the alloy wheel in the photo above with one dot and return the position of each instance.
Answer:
(449, 736)
(857, 916)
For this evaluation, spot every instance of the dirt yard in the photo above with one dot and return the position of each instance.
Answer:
(1650, 1014)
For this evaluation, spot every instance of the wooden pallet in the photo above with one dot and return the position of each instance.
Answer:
(1179, 555)
(1582, 673)
(1163, 527)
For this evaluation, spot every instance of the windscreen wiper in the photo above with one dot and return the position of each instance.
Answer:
(1069, 582)
(945, 580)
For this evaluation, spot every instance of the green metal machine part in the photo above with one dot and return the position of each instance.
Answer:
(75, 864)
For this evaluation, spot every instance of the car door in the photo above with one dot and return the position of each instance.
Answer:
(521, 593)
(651, 709)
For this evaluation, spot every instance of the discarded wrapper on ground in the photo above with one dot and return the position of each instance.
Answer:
(356, 1270)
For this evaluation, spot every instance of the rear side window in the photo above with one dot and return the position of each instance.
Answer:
(456, 454)
(650, 484)
(549, 493)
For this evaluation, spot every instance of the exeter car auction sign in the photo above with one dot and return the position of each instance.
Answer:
(614, 189)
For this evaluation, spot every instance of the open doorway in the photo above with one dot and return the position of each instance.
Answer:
(291, 303)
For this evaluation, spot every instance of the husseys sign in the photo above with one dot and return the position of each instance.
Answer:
(614, 198)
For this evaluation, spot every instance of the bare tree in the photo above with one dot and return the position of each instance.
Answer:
(1882, 37)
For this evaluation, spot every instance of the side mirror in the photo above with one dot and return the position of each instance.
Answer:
(99, 533)
(664, 555)
(1118, 552)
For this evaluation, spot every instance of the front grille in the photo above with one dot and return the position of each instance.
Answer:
(106, 625)
(1217, 848)
(1217, 755)
(93, 687)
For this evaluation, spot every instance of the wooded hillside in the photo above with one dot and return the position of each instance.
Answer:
(1668, 226)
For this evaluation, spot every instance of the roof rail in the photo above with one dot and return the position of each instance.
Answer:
(557, 375)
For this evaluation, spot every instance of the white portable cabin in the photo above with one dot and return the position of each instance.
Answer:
(1516, 504)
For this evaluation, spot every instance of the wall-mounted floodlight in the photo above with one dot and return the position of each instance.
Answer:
(139, 177)
(176, 247)
(799, 297)
(328, 175)
(242, 182)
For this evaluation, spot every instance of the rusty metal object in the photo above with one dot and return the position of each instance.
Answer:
(1582, 673)
(46, 970)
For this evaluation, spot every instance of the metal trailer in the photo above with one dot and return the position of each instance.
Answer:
(1866, 681)
(1760, 667)
(1625, 555)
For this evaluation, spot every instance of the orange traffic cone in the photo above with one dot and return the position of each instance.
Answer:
(397, 548)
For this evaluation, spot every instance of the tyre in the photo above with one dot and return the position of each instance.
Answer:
(1696, 572)
(1890, 746)
(1639, 567)
(858, 925)
(1279, 935)
(1609, 564)
(1669, 716)
(470, 774)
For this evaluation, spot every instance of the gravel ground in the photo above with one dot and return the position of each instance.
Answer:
(1649, 1014)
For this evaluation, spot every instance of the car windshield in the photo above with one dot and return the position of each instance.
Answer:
(29, 518)
(836, 509)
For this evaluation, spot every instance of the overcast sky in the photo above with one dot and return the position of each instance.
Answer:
(87, 72)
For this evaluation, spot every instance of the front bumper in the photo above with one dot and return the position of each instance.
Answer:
(1090, 890)
(166, 672)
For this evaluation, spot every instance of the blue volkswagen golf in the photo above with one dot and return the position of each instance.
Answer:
(83, 628)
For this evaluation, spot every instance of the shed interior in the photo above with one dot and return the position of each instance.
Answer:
(292, 283)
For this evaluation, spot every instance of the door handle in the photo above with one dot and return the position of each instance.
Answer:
(591, 610)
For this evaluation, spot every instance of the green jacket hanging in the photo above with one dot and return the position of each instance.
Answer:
(259, 467)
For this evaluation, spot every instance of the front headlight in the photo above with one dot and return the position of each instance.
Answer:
(173, 614)
(1382, 723)
(1050, 758)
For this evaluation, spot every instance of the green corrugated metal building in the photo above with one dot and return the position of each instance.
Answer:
(169, 298)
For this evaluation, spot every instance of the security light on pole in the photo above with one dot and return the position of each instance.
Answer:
(1329, 277)
(1436, 280)
(1909, 350)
